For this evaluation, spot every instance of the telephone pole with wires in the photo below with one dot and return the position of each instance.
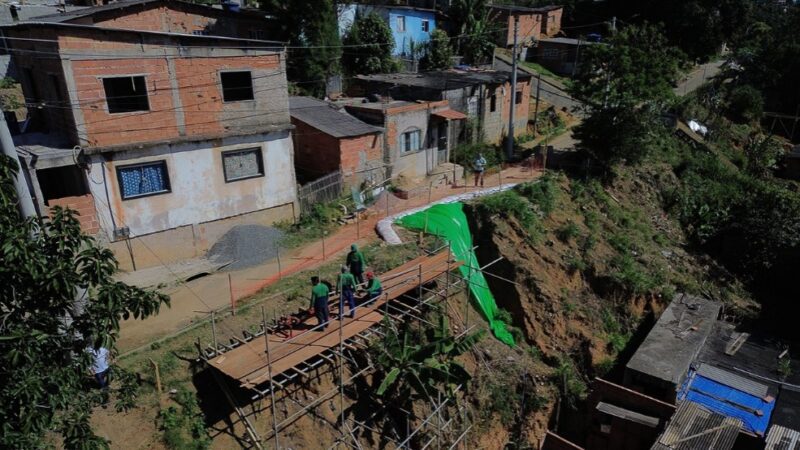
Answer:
(510, 138)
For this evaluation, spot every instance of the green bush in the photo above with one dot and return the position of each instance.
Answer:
(543, 193)
(746, 103)
(573, 387)
(183, 426)
(568, 231)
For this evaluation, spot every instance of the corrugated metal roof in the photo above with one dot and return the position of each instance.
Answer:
(626, 414)
(693, 427)
(327, 118)
(782, 438)
(732, 380)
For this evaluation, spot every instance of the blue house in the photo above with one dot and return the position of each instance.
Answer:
(411, 26)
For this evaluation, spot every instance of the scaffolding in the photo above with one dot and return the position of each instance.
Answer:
(273, 369)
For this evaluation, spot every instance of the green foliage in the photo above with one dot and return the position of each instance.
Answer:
(784, 368)
(465, 154)
(438, 52)
(543, 193)
(576, 264)
(604, 366)
(631, 275)
(312, 30)
(183, 425)
(507, 392)
(322, 219)
(762, 155)
(573, 387)
(568, 231)
(418, 370)
(746, 103)
(369, 44)
(624, 85)
(7, 83)
(44, 334)
(475, 30)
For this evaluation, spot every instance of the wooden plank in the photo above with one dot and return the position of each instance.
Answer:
(248, 362)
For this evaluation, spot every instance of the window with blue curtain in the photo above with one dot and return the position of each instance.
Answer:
(143, 179)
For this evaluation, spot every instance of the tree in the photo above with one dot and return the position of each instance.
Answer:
(312, 30)
(746, 103)
(475, 36)
(438, 53)
(45, 333)
(624, 85)
(369, 45)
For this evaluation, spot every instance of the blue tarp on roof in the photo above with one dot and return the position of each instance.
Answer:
(753, 411)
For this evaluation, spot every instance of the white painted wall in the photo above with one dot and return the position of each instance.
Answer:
(199, 192)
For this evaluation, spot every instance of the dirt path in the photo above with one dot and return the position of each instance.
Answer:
(195, 299)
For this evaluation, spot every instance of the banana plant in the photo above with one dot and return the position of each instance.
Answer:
(419, 370)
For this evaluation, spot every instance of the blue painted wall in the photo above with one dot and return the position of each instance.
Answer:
(402, 39)
(413, 29)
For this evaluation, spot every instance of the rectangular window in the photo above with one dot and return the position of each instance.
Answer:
(236, 86)
(551, 53)
(518, 98)
(141, 180)
(409, 141)
(242, 164)
(401, 24)
(126, 94)
(200, 32)
(493, 103)
(258, 34)
(426, 26)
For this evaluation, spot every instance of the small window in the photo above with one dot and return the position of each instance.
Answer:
(200, 32)
(551, 53)
(141, 180)
(493, 103)
(236, 86)
(426, 26)
(518, 98)
(126, 94)
(401, 24)
(410, 141)
(242, 164)
(258, 34)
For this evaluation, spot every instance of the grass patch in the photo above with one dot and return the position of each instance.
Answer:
(568, 231)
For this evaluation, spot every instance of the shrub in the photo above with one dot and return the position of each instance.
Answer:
(183, 425)
(572, 385)
(544, 193)
(746, 103)
(568, 231)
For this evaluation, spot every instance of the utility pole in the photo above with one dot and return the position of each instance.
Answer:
(510, 140)
(26, 207)
(536, 108)
(614, 24)
(577, 55)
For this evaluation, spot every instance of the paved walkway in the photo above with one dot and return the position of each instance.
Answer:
(195, 299)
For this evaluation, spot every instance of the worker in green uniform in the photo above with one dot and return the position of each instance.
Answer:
(346, 286)
(319, 302)
(374, 288)
(357, 263)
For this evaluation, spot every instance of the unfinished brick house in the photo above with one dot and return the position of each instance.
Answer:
(328, 139)
(174, 133)
(534, 23)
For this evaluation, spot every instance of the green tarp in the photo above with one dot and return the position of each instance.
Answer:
(449, 222)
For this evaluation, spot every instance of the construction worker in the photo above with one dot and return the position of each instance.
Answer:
(478, 167)
(319, 302)
(346, 286)
(357, 263)
(374, 288)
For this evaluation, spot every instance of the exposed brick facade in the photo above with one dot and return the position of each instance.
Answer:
(551, 22)
(178, 17)
(84, 206)
(530, 28)
(318, 153)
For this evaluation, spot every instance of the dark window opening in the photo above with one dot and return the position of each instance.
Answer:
(34, 88)
(141, 180)
(236, 86)
(126, 94)
(242, 164)
(60, 182)
(58, 94)
(426, 26)
(493, 103)
(518, 98)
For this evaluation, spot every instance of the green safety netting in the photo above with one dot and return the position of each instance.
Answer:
(448, 221)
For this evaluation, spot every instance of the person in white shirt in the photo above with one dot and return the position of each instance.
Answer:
(100, 366)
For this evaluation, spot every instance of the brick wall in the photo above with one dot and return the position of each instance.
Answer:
(357, 151)
(315, 153)
(178, 18)
(184, 92)
(84, 205)
(551, 22)
(530, 26)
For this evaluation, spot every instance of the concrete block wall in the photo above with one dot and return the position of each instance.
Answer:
(84, 206)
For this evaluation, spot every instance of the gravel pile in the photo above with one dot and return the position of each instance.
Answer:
(246, 246)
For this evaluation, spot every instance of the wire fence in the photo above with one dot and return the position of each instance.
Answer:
(322, 190)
